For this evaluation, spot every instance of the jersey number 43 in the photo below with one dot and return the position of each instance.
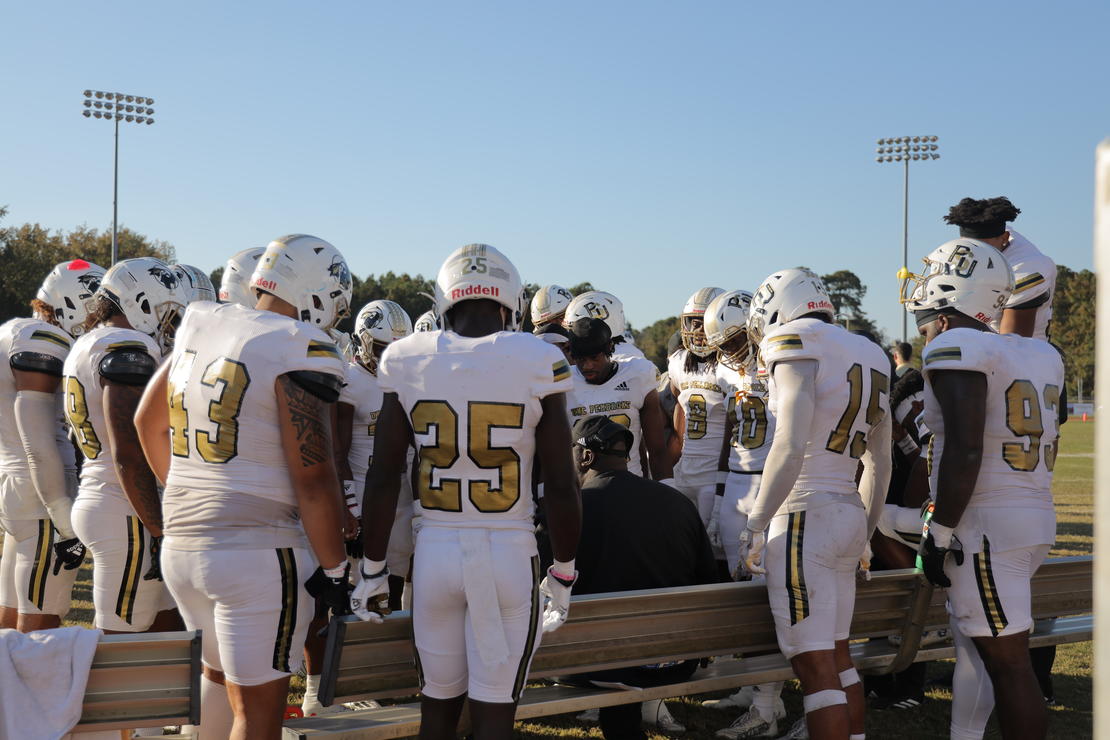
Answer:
(222, 387)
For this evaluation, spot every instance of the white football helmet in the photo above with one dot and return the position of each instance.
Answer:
(379, 324)
(784, 296)
(597, 304)
(237, 276)
(549, 304)
(480, 271)
(965, 274)
(69, 290)
(195, 282)
(693, 339)
(427, 321)
(308, 273)
(148, 293)
(726, 318)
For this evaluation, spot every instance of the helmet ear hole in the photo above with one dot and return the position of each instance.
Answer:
(145, 306)
(317, 303)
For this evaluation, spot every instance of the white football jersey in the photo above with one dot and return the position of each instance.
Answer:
(1034, 277)
(704, 397)
(224, 428)
(1024, 380)
(474, 404)
(755, 424)
(620, 398)
(43, 343)
(83, 394)
(852, 393)
(627, 350)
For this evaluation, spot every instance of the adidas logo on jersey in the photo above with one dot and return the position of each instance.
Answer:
(622, 387)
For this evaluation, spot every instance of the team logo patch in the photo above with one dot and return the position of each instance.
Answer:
(373, 317)
(338, 270)
(164, 276)
(90, 281)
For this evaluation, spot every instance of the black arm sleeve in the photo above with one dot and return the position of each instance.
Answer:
(36, 362)
(128, 366)
(322, 385)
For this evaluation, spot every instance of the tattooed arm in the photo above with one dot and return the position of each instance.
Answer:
(306, 439)
(135, 477)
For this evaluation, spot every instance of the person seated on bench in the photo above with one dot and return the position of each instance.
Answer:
(636, 534)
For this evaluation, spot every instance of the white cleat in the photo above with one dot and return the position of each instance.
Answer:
(750, 724)
(355, 706)
(655, 713)
(742, 699)
(798, 732)
(316, 709)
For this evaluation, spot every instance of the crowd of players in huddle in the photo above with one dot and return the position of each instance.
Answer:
(215, 437)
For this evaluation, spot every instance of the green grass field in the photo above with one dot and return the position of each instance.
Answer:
(1070, 718)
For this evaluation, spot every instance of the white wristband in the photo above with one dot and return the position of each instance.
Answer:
(942, 535)
(371, 567)
(563, 569)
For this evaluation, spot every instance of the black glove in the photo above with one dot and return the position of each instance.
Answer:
(335, 592)
(154, 573)
(932, 559)
(69, 553)
(354, 545)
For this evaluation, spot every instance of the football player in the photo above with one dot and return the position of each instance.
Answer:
(548, 306)
(1028, 311)
(749, 427)
(238, 425)
(828, 392)
(38, 477)
(118, 513)
(482, 400)
(195, 283)
(992, 403)
(700, 412)
(622, 388)
(234, 284)
(597, 304)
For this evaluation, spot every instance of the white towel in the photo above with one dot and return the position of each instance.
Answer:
(481, 596)
(42, 681)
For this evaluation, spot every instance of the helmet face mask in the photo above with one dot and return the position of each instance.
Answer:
(965, 275)
(726, 328)
(691, 325)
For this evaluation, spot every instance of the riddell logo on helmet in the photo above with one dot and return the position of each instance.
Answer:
(266, 284)
(983, 317)
(475, 290)
(819, 304)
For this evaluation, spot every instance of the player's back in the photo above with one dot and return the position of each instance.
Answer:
(83, 401)
(1024, 381)
(851, 397)
(27, 344)
(228, 468)
(474, 404)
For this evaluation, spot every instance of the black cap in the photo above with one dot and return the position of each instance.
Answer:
(552, 333)
(603, 436)
(589, 337)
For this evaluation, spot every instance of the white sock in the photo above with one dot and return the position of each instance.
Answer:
(215, 711)
(311, 689)
(763, 699)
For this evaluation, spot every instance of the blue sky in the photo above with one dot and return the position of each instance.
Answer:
(649, 147)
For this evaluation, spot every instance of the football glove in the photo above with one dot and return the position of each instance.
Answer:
(370, 599)
(751, 552)
(154, 573)
(933, 554)
(354, 545)
(331, 587)
(69, 554)
(557, 591)
(713, 528)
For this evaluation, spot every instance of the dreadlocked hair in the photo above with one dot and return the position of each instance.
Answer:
(44, 311)
(911, 382)
(970, 211)
(103, 309)
(692, 363)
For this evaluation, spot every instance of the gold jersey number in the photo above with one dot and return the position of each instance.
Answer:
(77, 414)
(751, 429)
(1024, 419)
(697, 413)
(225, 383)
(445, 494)
(840, 437)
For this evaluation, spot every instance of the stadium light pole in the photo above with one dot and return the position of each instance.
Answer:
(116, 107)
(905, 149)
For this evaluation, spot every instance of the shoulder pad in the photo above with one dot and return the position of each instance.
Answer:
(36, 362)
(128, 365)
(324, 386)
(1032, 302)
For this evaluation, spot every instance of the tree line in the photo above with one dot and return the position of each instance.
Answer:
(29, 251)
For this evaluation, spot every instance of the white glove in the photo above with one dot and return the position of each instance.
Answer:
(713, 529)
(370, 599)
(557, 591)
(865, 563)
(751, 552)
